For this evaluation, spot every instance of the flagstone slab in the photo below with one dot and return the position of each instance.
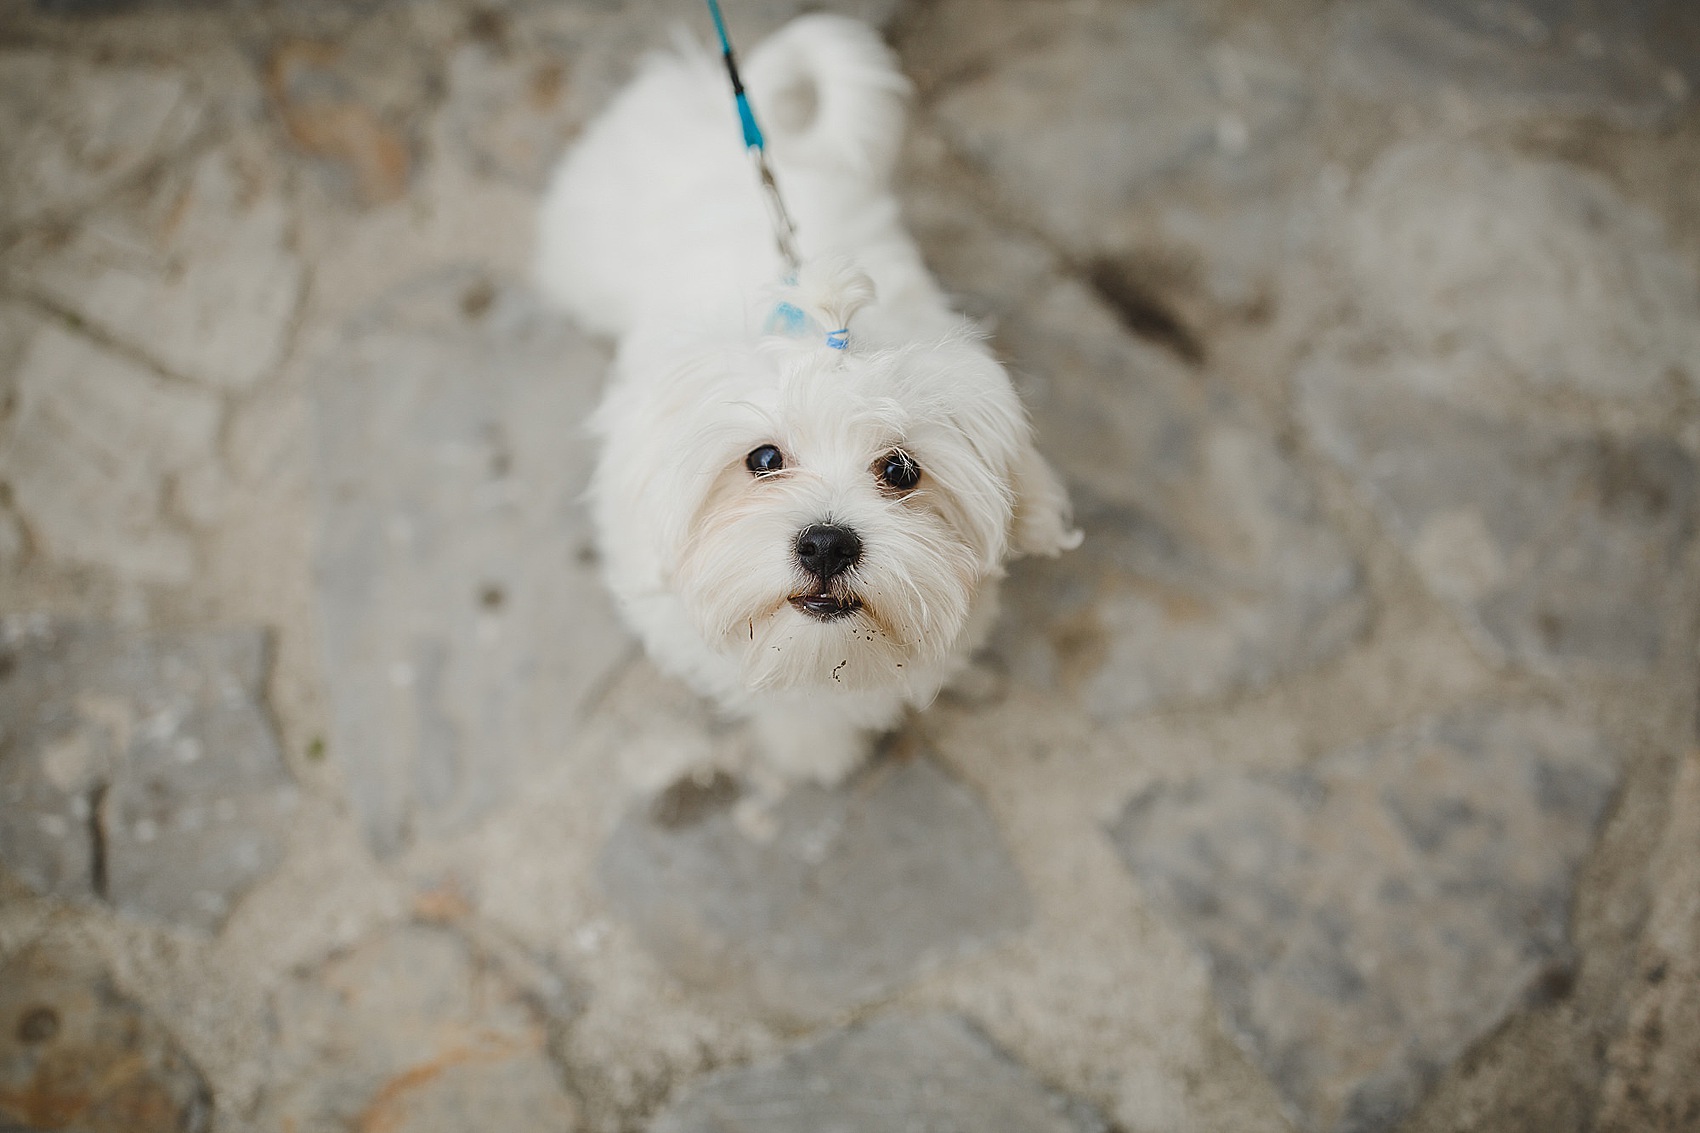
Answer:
(1208, 566)
(92, 449)
(77, 1054)
(1631, 63)
(76, 129)
(1545, 266)
(851, 894)
(897, 1072)
(194, 270)
(1556, 547)
(464, 627)
(139, 768)
(1368, 917)
(416, 1030)
(1078, 123)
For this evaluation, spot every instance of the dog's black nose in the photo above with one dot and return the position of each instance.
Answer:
(826, 550)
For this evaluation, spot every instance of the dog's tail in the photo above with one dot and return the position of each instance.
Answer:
(829, 94)
(653, 209)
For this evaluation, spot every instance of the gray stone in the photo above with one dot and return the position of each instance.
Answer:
(465, 629)
(139, 768)
(77, 1054)
(1632, 63)
(1077, 124)
(349, 107)
(1368, 917)
(825, 914)
(949, 41)
(1650, 1083)
(13, 543)
(90, 453)
(897, 1072)
(17, 326)
(74, 129)
(1207, 567)
(986, 269)
(507, 112)
(1555, 547)
(1544, 266)
(416, 1031)
(597, 49)
(194, 271)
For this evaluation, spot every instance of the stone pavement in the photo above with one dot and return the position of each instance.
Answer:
(1346, 779)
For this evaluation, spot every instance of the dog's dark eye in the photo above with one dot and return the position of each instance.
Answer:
(764, 459)
(899, 470)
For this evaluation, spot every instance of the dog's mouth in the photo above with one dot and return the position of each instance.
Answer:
(827, 607)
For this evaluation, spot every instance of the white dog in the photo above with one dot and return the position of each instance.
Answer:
(806, 490)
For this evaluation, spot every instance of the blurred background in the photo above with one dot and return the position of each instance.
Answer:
(1347, 779)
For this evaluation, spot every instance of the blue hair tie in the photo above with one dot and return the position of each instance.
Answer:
(787, 319)
(792, 321)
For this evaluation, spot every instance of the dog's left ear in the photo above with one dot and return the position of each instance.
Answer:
(1044, 519)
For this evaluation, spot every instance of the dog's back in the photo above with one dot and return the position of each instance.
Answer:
(656, 207)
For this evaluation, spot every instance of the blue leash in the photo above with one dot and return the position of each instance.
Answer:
(784, 231)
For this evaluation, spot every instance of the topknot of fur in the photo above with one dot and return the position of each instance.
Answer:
(822, 300)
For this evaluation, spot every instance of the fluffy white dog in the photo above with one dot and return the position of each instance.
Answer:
(806, 490)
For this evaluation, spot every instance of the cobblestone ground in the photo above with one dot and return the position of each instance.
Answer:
(1347, 779)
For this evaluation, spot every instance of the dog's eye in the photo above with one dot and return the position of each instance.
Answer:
(899, 470)
(764, 459)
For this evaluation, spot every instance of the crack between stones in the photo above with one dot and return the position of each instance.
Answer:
(76, 324)
(97, 842)
(1141, 311)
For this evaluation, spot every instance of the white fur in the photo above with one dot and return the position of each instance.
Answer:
(653, 231)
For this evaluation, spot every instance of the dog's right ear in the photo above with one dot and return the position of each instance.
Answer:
(1044, 518)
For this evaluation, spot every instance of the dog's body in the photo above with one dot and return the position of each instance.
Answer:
(812, 536)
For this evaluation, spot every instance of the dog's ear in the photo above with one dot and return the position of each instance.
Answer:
(1044, 519)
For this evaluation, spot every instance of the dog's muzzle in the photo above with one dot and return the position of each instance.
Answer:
(826, 551)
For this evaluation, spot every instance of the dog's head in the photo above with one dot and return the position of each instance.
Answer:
(827, 512)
